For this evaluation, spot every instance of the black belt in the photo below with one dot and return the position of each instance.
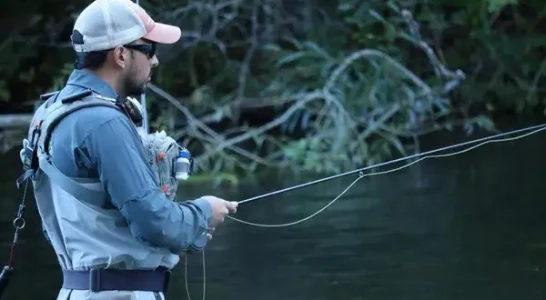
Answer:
(114, 279)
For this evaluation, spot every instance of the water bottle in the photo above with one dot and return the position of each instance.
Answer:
(182, 165)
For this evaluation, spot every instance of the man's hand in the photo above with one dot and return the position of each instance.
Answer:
(220, 208)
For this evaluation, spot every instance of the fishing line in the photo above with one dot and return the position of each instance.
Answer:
(186, 276)
(143, 101)
(541, 127)
(361, 174)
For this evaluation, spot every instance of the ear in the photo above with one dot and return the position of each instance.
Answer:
(121, 57)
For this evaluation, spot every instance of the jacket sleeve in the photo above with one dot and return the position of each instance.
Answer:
(116, 151)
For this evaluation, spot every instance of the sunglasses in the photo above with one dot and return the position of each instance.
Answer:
(148, 49)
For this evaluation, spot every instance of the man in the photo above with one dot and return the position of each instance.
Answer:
(100, 204)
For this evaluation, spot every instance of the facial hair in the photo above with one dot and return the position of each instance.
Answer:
(132, 87)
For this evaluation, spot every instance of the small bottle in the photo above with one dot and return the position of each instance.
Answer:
(182, 165)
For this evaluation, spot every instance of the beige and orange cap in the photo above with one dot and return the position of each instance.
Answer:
(106, 24)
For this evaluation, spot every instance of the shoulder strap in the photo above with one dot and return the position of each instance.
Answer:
(48, 117)
(55, 112)
(74, 186)
(29, 155)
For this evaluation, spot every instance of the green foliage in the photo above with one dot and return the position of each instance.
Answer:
(496, 5)
(320, 85)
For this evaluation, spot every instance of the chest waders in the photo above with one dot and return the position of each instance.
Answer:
(35, 157)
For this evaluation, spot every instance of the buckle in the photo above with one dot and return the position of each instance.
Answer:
(95, 280)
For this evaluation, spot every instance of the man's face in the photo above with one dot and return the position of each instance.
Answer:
(139, 71)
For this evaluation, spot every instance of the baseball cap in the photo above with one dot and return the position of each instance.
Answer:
(106, 24)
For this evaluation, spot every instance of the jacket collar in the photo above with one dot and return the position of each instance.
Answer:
(87, 80)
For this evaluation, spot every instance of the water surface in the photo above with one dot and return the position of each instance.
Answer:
(466, 227)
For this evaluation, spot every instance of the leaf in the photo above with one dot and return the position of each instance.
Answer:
(496, 5)
(272, 47)
(484, 122)
(347, 5)
(290, 58)
(315, 47)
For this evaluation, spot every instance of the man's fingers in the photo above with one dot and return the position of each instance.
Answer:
(209, 236)
(232, 206)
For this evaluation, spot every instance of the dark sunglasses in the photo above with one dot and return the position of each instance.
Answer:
(148, 49)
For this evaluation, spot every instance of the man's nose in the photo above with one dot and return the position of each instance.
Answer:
(155, 61)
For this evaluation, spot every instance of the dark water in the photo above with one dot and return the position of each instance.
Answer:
(469, 227)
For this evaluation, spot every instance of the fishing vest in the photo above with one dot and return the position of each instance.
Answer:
(85, 230)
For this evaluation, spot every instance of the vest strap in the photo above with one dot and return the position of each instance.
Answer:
(49, 117)
(70, 185)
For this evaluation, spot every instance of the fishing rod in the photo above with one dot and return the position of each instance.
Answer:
(362, 170)
(143, 101)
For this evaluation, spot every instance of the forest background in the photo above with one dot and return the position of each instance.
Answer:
(304, 85)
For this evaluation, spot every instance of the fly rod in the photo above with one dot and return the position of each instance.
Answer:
(491, 137)
(143, 101)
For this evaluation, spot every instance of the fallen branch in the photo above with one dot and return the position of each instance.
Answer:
(11, 138)
(260, 130)
(15, 121)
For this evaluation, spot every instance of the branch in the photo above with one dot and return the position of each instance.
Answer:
(439, 69)
(192, 121)
(278, 121)
(367, 53)
(216, 138)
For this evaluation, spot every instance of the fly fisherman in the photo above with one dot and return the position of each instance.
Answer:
(114, 230)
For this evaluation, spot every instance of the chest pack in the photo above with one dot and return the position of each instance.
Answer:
(169, 161)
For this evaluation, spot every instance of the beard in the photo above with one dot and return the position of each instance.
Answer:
(132, 87)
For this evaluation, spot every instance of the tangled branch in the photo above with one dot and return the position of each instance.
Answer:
(352, 114)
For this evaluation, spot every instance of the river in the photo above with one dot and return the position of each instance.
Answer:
(470, 227)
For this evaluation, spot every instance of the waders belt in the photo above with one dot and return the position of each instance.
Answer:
(112, 279)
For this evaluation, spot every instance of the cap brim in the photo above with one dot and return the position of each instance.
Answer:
(164, 34)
